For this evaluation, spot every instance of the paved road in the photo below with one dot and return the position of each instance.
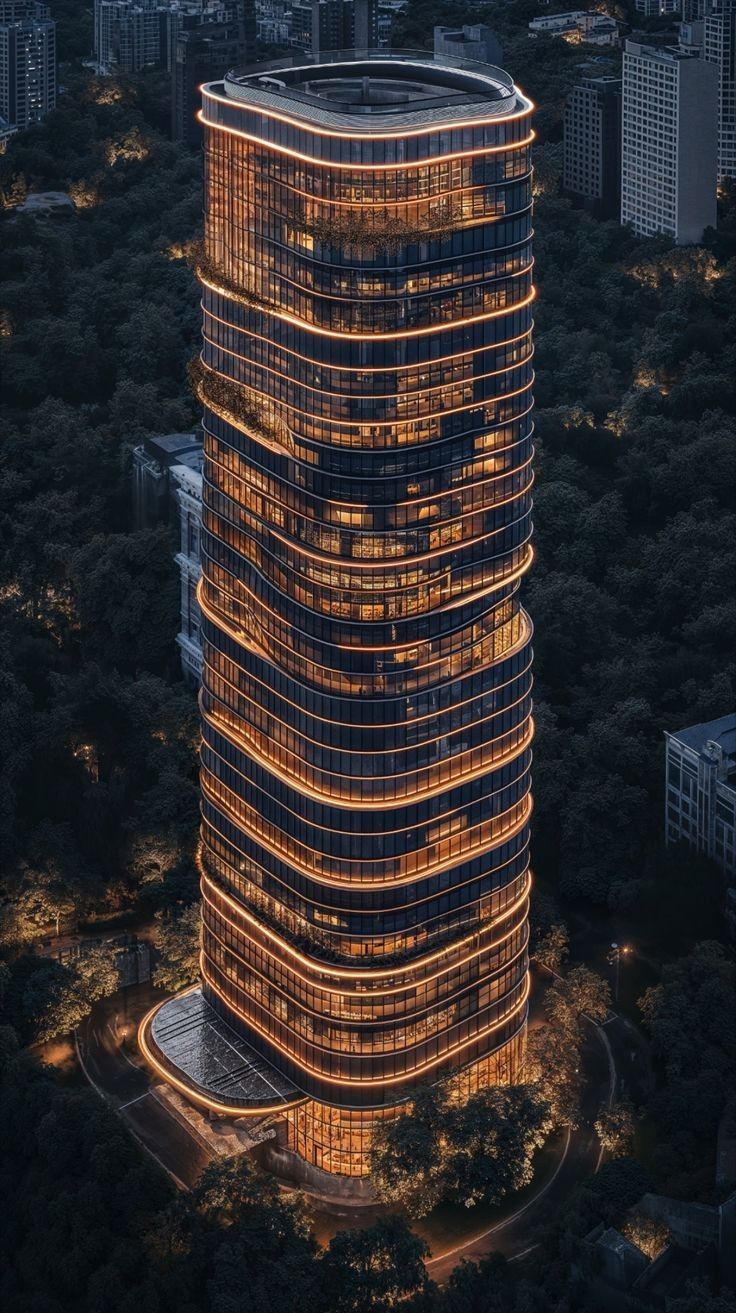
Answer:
(108, 1056)
(514, 1234)
(616, 1063)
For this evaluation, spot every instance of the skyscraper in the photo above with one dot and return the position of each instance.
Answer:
(366, 377)
(719, 48)
(127, 35)
(668, 146)
(336, 24)
(27, 62)
(203, 47)
(592, 145)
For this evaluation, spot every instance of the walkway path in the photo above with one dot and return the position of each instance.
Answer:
(615, 1057)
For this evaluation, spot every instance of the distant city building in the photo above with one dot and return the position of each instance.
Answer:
(468, 42)
(592, 145)
(167, 489)
(343, 25)
(155, 496)
(578, 26)
(27, 64)
(127, 35)
(668, 147)
(187, 479)
(657, 8)
(205, 47)
(273, 22)
(693, 10)
(701, 790)
(719, 48)
(690, 37)
(7, 130)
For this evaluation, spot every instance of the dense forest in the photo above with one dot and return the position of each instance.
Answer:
(632, 599)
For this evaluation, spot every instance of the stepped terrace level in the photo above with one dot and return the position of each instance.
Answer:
(366, 382)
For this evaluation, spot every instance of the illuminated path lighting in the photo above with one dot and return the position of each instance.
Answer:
(366, 379)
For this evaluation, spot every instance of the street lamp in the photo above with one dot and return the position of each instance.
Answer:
(614, 958)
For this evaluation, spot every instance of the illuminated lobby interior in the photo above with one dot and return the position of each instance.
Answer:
(366, 384)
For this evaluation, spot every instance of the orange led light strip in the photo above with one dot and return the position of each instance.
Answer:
(306, 327)
(355, 974)
(396, 1020)
(377, 1080)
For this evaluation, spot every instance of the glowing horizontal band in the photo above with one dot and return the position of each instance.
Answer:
(244, 640)
(304, 326)
(397, 1020)
(272, 484)
(259, 606)
(341, 423)
(235, 875)
(349, 724)
(191, 1091)
(393, 880)
(317, 968)
(420, 390)
(398, 804)
(388, 202)
(368, 369)
(302, 786)
(313, 129)
(377, 1080)
(346, 1024)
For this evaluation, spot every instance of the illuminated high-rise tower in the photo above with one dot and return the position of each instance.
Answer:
(366, 378)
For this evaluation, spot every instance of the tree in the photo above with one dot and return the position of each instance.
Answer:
(699, 1298)
(177, 942)
(553, 1067)
(127, 594)
(477, 1150)
(649, 1234)
(581, 993)
(55, 998)
(97, 971)
(552, 949)
(490, 1142)
(404, 1155)
(614, 1127)
(374, 1269)
(691, 1020)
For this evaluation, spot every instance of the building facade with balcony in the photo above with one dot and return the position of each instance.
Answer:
(668, 142)
(592, 146)
(701, 790)
(719, 48)
(27, 65)
(366, 379)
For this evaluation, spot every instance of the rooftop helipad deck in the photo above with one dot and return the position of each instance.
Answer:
(191, 1046)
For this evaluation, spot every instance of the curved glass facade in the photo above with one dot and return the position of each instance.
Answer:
(366, 378)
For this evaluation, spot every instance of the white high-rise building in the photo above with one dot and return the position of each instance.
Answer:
(27, 62)
(719, 48)
(669, 143)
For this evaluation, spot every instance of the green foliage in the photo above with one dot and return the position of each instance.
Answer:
(691, 1021)
(551, 949)
(97, 783)
(375, 1269)
(177, 941)
(127, 592)
(553, 1067)
(581, 993)
(470, 1152)
(614, 1127)
(46, 998)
